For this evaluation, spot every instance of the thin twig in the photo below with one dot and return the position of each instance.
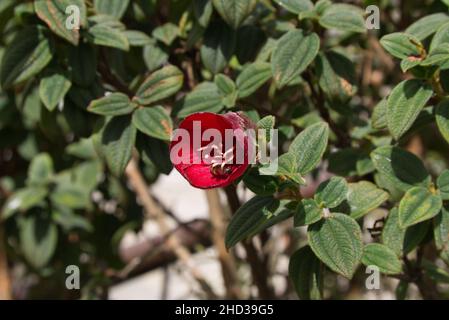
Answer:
(154, 211)
(259, 267)
(227, 262)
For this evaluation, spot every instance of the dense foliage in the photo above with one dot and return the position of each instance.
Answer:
(363, 120)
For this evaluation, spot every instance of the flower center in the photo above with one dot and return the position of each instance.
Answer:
(220, 163)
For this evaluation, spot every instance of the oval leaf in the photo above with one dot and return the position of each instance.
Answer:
(337, 241)
(114, 104)
(294, 51)
(417, 205)
(234, 12)
(305, 272)
(379, 255)
(154, 122)
(404, 105)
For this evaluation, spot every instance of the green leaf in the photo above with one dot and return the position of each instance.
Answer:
(343, 17)
(332, 192)
(363, 197)
(160, 85)
(138, 38)
(442, 118)
(205, 97)
(117, 142)
(437, 57)
(234, 12)
(336, 75)
(114, 104)
(443, 184)
(202, 9)
(404, 105)
(154, 56)
(53, 87)
(427, 25)
(218, 47)
(286, 167)
(70, 221)
(108, 37)
(249, 217)
(259, 184)
(22, 200)
(252, 77)
(40, 170)
(227, 88)
(434, 272)
(417, 205)
(309, 146)
(402, 45)
(38, 240)
(441, 232)
(379, 116)
(154, 122)
(70, 196)
(154, 151)
(392, 234)
(294, 51)
(337, 241)
(305, 272)
(401, 168)
(381, 256)
(115, 8)
(440, 38)
(53, 13)
(295, 6)
(166, 33)
(267, 124)
(27, 54)
(307, 212)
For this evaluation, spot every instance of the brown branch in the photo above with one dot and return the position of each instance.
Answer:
(259, 267)
(5, 282)
(154, 211)
(227, 262)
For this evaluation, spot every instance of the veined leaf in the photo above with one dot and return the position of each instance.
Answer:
(401, 168)
(443, 184)
(53, 88)
(295, 6)
(160, 85)
(364, 197)
(332, 192)
(402, 45)
(404, 105)
(108, 37)
(252, 77)
(204, 97)
(343, 17)
(115, 8)
(427, 25)
(305, 272)
(417, 205)
(28, 53)
(234, 12)
(248, 217)
(153, 121)
(114, 104)
(337, 241)
(381, 256)
(442, 118)
(117, 142)
(307, 212)
(40, 170)
(294, 51)
(53, 13)
(309, 146)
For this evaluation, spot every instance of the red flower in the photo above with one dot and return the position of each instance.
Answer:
(212, 150)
